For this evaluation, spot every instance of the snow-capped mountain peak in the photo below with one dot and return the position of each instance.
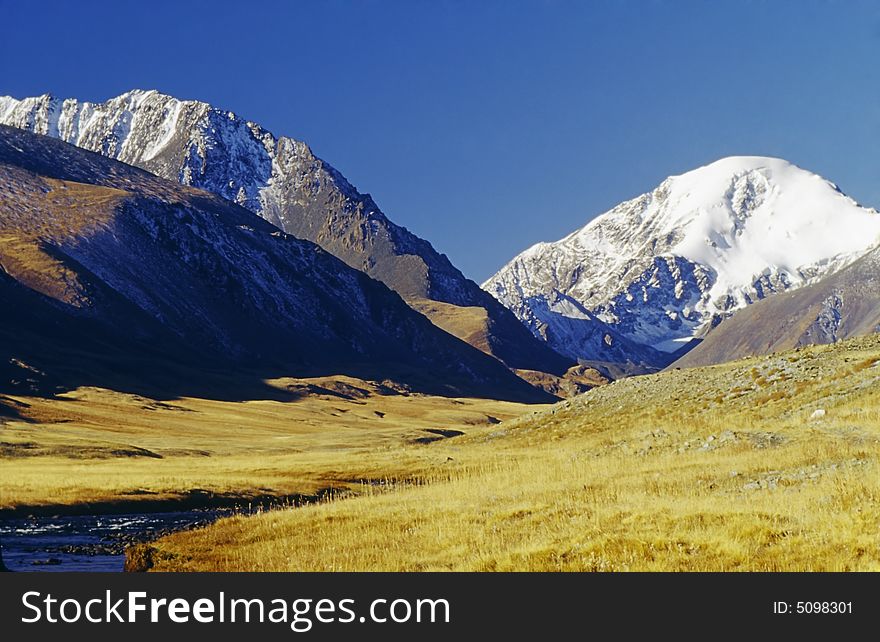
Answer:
(663, 266)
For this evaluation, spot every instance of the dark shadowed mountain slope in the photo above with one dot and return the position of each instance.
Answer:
(280, 179)
(105, 267)
(842, 305)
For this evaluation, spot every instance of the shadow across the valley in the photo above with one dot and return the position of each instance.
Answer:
(49, 367)
(47, 349)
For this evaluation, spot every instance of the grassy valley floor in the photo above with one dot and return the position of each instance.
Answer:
(767, 464)
(95, 449)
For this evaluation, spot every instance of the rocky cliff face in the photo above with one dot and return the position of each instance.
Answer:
(280, 179)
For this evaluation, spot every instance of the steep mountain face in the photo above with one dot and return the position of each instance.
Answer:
(106, 265)
(578, 332)
(669, 265)
(280, 179)
(843, 305)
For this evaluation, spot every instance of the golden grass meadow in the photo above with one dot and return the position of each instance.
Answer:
(763, 464)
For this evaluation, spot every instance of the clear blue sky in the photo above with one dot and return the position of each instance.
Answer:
(486, 126)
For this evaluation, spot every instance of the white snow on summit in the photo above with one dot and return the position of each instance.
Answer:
(748, 216)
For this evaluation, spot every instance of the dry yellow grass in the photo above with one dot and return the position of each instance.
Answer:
(703, 469)
(763, 464)
(93, 445)
(470, 324)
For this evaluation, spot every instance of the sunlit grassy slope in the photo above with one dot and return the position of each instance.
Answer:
(98, 446)
(762, 464)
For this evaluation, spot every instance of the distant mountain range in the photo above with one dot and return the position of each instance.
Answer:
(639, 284)
(280, 179)
(114, 277)
(743, 256)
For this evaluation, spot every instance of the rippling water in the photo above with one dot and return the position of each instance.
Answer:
(87, 542)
